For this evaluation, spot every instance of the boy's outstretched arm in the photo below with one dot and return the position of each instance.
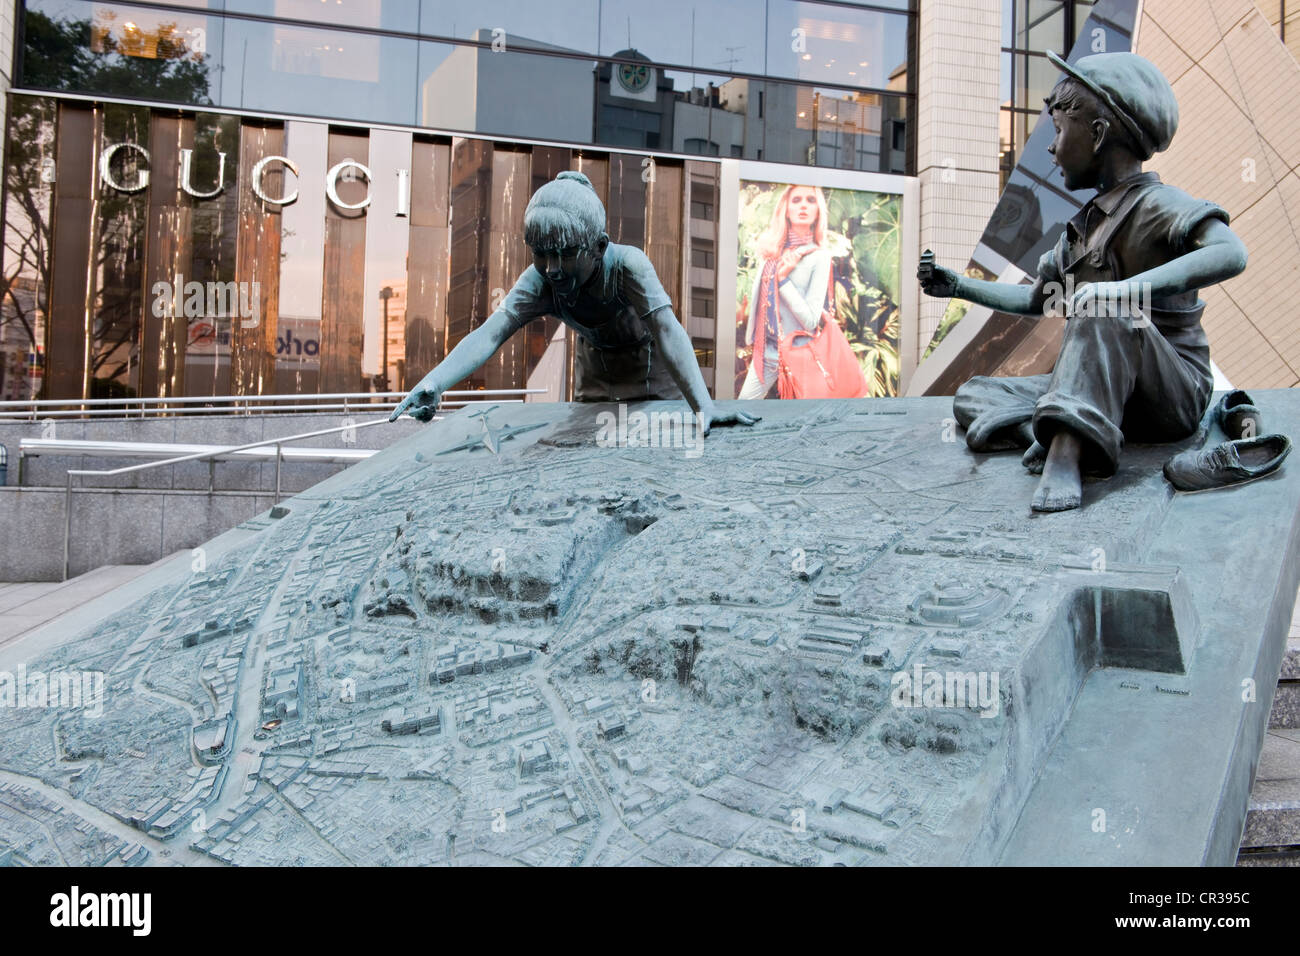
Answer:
(469, 355)
(1003, 296)
(675, 346)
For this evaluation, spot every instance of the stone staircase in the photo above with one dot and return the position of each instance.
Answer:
(1272, 835)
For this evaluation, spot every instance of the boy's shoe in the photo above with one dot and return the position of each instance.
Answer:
(1237, 415)
(1228, 464)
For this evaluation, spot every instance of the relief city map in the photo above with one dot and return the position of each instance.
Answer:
(497, 642)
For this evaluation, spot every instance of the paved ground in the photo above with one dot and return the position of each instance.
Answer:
(27, 606)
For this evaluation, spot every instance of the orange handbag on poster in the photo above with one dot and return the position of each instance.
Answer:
(820, 364)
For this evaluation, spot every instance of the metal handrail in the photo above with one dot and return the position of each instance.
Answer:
(196, 456)
(180, 404)
(206, 410)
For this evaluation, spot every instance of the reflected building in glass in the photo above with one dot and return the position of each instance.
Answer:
(281, 196)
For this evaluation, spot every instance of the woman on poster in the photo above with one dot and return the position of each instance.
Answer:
(790, 290)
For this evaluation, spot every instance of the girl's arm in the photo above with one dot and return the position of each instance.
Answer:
(807, 303)
(679, 355)
(469, 355)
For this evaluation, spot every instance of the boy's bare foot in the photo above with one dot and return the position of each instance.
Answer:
(1033, 458)
(1061, 487)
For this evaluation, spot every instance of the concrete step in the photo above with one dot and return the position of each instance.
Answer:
(1286, 707)
(1274, 816)
(1273, 821)
(1272, 832)
(1286, 702)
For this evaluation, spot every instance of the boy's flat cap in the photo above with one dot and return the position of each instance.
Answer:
(1134, 90)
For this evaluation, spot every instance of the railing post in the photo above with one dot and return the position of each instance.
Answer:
(212, 475)
(278, 459)
(67, 526)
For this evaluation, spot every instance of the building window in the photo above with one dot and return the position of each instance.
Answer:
(700, 147)
(702, 303)
(1029, 29)
(702, 210)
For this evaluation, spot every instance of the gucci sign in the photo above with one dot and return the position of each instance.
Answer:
(349, 170)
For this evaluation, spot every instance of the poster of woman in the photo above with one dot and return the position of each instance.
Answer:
(817, 284)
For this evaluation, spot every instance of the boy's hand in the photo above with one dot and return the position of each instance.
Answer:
(1105, 299)
(935, 279)
(422, 402)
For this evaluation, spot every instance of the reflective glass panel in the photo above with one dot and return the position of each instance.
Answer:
(512, 93)
(117, 263)
(146, 53)
(833, 44)
(214, 225)
(724, 36)
(314, 72)
(29, 186)
(563, 24)
(1040, 25)
(302, 262)
(387, 14)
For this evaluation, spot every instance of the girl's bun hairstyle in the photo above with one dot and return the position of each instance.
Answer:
(564, 212)
(577, 177)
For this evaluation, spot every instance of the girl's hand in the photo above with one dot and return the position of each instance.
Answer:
(789, 259)
(420, 403)
(723, 419)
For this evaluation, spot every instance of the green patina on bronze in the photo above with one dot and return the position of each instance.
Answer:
(630, 346)
(1135, 361)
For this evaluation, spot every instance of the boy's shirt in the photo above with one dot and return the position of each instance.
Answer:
(609, 311)
(1136, 225)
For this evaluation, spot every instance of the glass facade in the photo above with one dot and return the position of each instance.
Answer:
(816, 82)
(1031, 214)
(155, 252)
(269, 237)
(1029, 29)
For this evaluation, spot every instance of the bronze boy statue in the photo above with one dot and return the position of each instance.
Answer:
(1135, 361)
(631, 346)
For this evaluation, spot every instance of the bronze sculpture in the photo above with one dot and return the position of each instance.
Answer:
(1135, 360)
(630, 345)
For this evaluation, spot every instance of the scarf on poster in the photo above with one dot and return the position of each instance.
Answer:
(768, 312)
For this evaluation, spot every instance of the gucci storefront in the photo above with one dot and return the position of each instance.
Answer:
(155, 252)
(235, 197)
